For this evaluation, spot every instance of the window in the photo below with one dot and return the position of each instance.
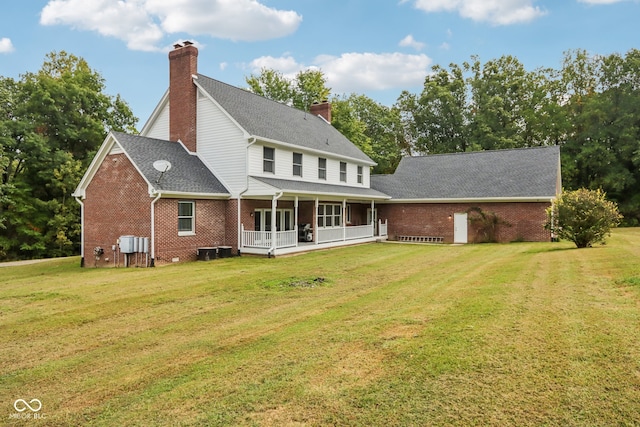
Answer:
(268, 159)
(329, 216)
(348, 214)
(322, 168)
(343, 172)
(186, 218)
(359, 174)
(297, 164)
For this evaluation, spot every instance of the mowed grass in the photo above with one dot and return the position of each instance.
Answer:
(381, 334)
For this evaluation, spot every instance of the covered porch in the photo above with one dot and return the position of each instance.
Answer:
(290, 219)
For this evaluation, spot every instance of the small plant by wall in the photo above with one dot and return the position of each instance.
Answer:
(485, 224)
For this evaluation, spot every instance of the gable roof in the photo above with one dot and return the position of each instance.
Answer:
(188, 174)
(526, 173)
(274, 121)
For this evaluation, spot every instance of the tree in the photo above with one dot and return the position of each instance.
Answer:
(51, 124)
(583, 216)
(440, 113)
(307, 87)
(602, 148)
(376, 129)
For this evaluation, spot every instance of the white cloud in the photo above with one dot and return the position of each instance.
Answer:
(409, 41)
(5, 45)
(357, 72)
(143, 24)
(497, 12)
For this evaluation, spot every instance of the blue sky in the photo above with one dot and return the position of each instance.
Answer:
(376, 48)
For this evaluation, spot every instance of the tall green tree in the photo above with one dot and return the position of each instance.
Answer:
(438, 117)
(307, 87)
(378, 126)
(602, 148)
(51, 124)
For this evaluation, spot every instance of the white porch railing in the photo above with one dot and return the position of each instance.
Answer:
(382, 228)
(358, 232)
(263, 239)
(285, 239)
(326, 235)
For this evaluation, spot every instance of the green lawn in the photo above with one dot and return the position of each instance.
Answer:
(381, 334)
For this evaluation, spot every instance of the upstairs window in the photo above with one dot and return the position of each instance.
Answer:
(359, 174)
(322, 168)
(186, 218)
(268, 159)
(297, 164)
(343, 172)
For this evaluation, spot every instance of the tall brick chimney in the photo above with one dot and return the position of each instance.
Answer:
(321, 109)
(183, 95)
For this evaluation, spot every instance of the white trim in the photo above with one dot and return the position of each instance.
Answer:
(474, 200)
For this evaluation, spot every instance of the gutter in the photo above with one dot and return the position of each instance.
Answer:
(274, 226)
(79, 200)
(153, 229)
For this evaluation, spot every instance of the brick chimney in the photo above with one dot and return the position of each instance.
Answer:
(321, 109)
(183, 95)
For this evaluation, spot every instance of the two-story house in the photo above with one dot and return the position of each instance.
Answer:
(218, 166)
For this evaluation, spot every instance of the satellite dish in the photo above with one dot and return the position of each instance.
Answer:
(162, 165)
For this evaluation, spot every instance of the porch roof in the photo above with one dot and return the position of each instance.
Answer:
(313, 189)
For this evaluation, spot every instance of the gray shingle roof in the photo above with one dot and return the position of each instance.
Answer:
(525, 172)
(302, 187)
(262, 117)
(187, 174)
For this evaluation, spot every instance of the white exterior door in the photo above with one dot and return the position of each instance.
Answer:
(460, 228)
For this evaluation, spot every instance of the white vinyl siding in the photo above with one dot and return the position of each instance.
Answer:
(222, 145)
(284, 167)
(159, 129)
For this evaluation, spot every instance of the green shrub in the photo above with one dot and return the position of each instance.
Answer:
(583, 216)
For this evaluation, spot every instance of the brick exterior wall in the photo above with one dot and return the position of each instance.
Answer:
(210, 230)
(421, 219)
(117, 203)
(183, 63)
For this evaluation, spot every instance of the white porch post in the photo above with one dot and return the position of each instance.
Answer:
(315, 220)
(274, 206)
(344, 219)
(295, 215)
(373, 220)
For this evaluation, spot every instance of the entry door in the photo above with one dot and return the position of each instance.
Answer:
(460, 228)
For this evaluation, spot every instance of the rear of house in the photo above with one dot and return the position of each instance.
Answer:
(219, 170)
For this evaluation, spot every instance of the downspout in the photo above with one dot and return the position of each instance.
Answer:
(153, 229)
(252, 141)
(79, 200)
(274, 226)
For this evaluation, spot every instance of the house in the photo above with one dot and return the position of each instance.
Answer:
(218, 166)
(218, 170)
(433, 196)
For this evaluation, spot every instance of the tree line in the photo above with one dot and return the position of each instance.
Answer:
(53, 121)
